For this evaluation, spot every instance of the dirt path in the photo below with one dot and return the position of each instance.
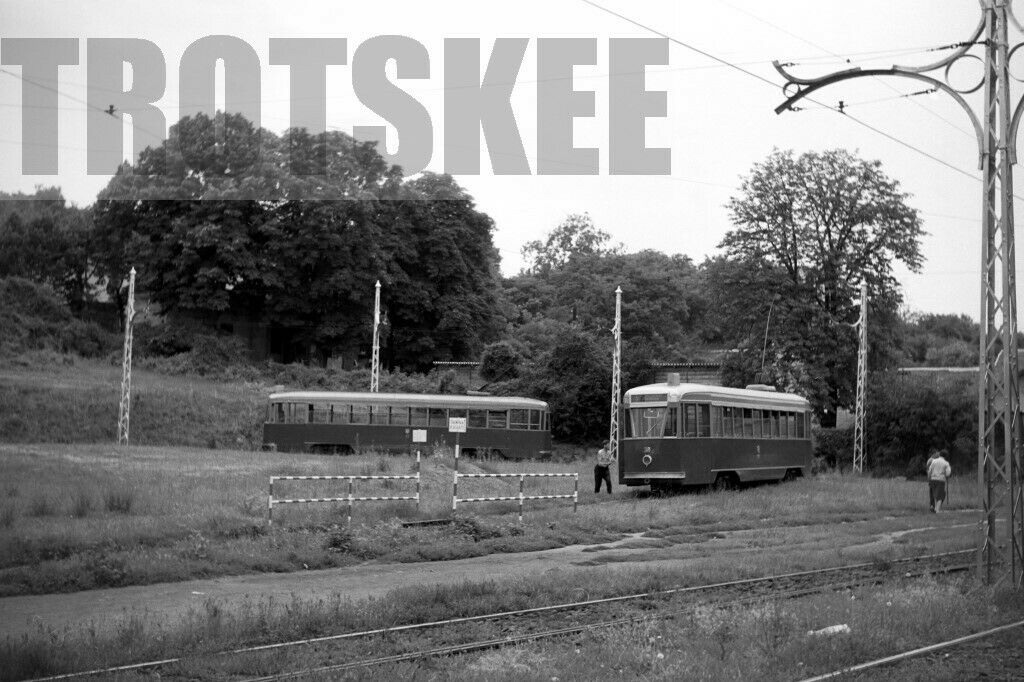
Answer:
(168, 602)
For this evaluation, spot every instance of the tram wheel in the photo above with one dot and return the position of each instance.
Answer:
(727, 480)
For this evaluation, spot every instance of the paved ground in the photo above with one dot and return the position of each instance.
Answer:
(165, 603)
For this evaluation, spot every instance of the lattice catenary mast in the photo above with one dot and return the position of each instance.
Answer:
(613, 429)
(862, 381)
(124, 411)
(375, 362)
(1000, 477)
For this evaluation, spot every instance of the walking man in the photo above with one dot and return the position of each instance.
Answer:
(602, 472)
(938, 472)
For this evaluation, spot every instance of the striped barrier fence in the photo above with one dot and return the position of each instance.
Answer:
(351, 499)
(522, 496)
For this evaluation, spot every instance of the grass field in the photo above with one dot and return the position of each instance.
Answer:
(54, 398)
(76, 517)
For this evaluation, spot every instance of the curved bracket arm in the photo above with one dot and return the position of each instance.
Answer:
(809, 86)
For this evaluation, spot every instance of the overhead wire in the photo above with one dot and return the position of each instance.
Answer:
(828, 51)
(775, 85)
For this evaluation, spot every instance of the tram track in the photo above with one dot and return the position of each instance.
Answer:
(492, 630)
(749, 591)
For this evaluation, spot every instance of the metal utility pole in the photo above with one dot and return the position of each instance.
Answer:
(613, 430)
(124, 411)
(1000, 477)
(862, 381)
(375, 362)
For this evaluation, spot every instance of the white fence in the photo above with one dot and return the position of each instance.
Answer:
(350, 499)
(521, 497)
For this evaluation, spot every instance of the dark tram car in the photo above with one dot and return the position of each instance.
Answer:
(677, 434)
(343, 423)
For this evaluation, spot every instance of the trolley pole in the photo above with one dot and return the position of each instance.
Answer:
(1000, 477)
(862, 381)
(375, 362)
(124, 410)
(613, 430)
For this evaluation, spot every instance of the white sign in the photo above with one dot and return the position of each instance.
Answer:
(456, 424)
(419, 435)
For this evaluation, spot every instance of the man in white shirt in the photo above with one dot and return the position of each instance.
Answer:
(602, 470)
(938, 472)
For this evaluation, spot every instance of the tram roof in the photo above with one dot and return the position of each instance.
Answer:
(412, 399)
(720, 394)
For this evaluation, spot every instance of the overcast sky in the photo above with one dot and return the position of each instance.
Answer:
(720, 121)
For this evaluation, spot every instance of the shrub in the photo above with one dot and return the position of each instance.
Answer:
(34, 317)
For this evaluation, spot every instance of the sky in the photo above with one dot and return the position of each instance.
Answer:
(720, 121)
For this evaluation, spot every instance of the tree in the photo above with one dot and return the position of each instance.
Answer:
(256, 230)
(575, 236)
(811, 229)
(45, 240)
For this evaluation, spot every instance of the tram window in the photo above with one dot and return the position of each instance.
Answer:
(648, 422)
(748, 422)
(321, 413)
(547, 421)
(400, 416)
(478, 419)
(800, 426)
(704, 421)
(340, 413)
(520, 419)
(791, 424)
(690, 420)
(535, 420)
(727, 422)
(756, 422)
(360, 414)
(279, 412)
(417, 416)
(766, 424)
(379, 414)
(672, 423)
(438, 417)
(498, 419)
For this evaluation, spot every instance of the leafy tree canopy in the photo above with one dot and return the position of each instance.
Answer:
(292, 232)
(45, 240)
(576, 236)
(808, 230)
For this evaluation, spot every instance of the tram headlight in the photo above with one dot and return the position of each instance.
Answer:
(647, 460)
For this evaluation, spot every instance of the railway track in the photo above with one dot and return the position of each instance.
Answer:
(487, 631)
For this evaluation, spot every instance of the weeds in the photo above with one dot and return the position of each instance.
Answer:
(8, 515)
(43, 505)
(81, 504)
(119, 501)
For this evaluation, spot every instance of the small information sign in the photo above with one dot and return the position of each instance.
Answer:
(456, 424)
(419, 435)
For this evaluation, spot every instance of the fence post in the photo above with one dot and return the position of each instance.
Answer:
(350, 502)
(522, 480)
(270, 503)
(419, 468)
(575, 491)
(455, 492)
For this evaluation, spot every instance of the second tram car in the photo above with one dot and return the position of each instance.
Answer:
(343, 423)
(676, 434)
